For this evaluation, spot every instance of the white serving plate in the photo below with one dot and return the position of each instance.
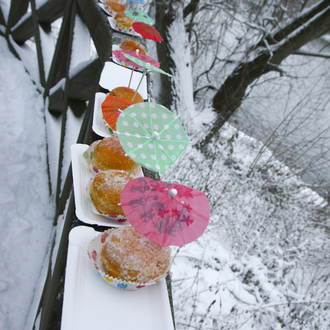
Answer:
(114, 75)
(118, 61)
(130, 31)
(90, 303)
(98, 125)
(105, 9)
(81, 176)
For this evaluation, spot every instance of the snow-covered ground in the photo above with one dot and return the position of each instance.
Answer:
(263, 262)
(27, 210)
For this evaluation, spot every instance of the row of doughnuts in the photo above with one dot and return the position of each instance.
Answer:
(125, 255)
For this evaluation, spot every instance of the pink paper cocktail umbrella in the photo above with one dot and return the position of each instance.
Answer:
(168, 214)
(141, 57)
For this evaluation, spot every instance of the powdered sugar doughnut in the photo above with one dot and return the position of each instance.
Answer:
(105, 189)
(129, 256)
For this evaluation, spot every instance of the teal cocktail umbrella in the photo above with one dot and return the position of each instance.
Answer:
(139, 16)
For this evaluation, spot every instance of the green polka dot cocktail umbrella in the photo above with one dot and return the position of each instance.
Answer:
(151, 135)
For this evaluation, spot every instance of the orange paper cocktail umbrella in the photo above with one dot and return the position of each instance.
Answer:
(111, 107)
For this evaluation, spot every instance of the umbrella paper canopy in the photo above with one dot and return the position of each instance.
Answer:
(110, 110)
(139, 16)
(147, 31)
(168, 214)
(121, 55)
(139, 2)
(145, 65)
(151, 135)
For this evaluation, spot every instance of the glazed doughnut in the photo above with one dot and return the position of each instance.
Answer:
(106, 188)
(124, 20)
(132, 45)
(108, 154)
(129, 256)
(115, 6)
(126, 94)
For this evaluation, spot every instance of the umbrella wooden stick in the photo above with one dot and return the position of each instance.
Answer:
(130, 79)
(138, 85)
(132, 169)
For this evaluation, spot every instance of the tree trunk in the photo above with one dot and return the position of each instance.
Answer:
(164, 16)
(271, 51)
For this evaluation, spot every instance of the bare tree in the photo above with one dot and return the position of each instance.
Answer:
(266, 56)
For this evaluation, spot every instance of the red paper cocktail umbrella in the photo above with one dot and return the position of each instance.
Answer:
(147, 31)
(168, 214)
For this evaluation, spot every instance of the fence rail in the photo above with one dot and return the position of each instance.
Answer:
(28, 21)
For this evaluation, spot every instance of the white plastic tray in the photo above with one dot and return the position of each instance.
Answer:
(114, 75)
(81, 176)
(90, 303)
(98, 124)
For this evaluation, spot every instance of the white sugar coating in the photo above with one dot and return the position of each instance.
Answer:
(106, 189)
(132, 257)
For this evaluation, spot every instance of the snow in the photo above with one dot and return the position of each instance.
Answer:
(263, 261)
(27, 210)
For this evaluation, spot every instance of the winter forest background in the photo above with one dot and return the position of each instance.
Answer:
(251, 85)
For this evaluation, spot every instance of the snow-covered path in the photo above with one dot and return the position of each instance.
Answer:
(26, 209)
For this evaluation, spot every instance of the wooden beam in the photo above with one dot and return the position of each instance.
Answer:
(49, 12)
(78, 88)
(61, 55)
(98, 27)
(2, 19)
(17, 9)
